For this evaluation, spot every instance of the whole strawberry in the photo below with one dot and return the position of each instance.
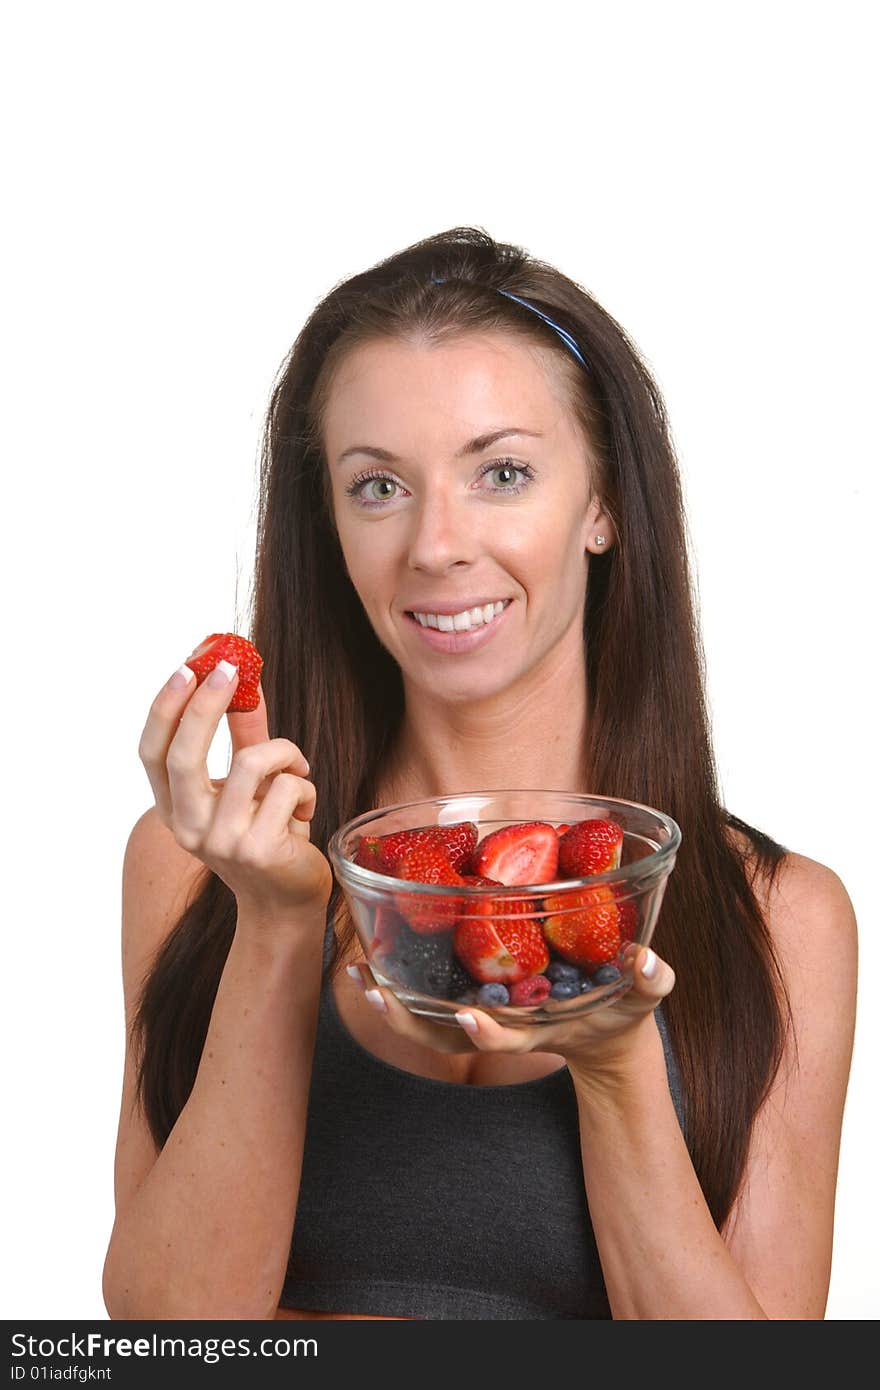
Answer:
(590, 847)
(427, 862)
(460, 840)
(627, 913)
(457, 840)
(238, 651)
(368, 854)
(583, 927)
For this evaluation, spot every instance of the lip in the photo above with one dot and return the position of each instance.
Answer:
(458, 606)
(459, 641)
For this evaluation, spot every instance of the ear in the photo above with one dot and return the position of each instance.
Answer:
(597, 522)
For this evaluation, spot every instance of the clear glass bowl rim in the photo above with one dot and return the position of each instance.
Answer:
(650, 864)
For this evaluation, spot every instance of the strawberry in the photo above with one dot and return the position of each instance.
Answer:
(627, 914)
(561, 829)
(368, 854)
(460, 840)
(457, 840)
(590, 847)
(238, 651)
(527, 852)
(494, 942)
(427, 862)
(386, 928)
(583, 927)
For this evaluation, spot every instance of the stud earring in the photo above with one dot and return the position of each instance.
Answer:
(600, 540)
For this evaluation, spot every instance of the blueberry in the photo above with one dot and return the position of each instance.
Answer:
(565, 989)
(561, 970)
(493, 994)
(586, 985)
(606, 975)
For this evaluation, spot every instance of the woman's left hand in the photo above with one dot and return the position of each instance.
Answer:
(598, 1042)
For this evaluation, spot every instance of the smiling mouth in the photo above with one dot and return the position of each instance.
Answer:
(468, 621)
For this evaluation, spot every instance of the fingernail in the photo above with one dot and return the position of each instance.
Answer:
(355, 973)
(376, 1000)
(468, 1022)
(182, 676)
(221, 675)
(650, 964)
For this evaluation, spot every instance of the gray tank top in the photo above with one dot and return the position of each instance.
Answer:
(432, 1199)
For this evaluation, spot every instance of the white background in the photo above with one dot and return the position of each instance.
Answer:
(183, 183)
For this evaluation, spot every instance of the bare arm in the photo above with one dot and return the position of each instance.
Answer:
(661, 1254)
(203, 1230)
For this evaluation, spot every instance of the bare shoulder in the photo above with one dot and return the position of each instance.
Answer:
(807, 909)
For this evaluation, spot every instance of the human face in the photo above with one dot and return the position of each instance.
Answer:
(437, 529)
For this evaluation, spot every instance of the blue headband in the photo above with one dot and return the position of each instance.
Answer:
(566, 337)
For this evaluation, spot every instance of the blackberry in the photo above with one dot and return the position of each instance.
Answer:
(427, 964)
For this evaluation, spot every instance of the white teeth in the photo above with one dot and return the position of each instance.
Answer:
(464, 621)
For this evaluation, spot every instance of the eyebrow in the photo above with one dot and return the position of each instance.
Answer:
(474, 446)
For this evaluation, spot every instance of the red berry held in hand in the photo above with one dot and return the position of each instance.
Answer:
(238, 651)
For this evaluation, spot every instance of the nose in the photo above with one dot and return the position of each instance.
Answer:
(443, 531)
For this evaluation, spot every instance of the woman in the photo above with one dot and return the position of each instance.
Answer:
(283, 1149)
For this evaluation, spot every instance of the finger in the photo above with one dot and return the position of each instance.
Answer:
(421, 1030)
(193, 798)
(489, 1035)
(288, 797)
(653, 978)
(251, 766)
(249, 726)
(162, 724)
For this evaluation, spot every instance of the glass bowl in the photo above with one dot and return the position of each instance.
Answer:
(422, 966)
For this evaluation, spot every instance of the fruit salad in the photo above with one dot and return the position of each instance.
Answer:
(495, 950)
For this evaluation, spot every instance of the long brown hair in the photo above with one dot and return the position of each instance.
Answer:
(332, 688)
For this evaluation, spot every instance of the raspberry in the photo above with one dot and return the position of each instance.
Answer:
(534, 990)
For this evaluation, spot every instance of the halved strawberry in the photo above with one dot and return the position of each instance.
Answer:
(427, 862)
(561, 829)
(497, 944)
(584, 927)
(238, 651)
(590, 847)
(527, 852)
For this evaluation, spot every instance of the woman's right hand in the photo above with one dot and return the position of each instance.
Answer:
(254, 831)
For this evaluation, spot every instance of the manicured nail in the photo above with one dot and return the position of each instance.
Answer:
(221, 675)
(468, 1022)
(182, 676)
(355, 973)
(376, 1000)
(650, 964)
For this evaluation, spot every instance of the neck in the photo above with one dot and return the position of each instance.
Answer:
(530, 735)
